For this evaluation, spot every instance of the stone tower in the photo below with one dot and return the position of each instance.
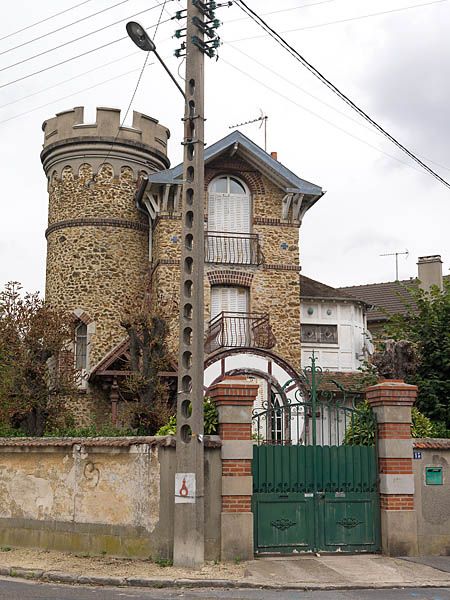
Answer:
(97, 238)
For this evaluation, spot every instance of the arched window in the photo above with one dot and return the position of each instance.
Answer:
(81, 346)
(229, 223)
(228, 206)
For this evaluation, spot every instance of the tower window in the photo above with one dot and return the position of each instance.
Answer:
(81, 346)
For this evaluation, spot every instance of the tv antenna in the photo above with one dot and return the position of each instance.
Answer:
(263, 118)
(396, 254)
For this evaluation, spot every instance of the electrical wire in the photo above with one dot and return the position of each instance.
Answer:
(67, 60)
(63, 27)
(51, 87)
(281, 10)
(95, 85)
(82, 37)
(302, 60)
(163, 4)
(44, 20)
(317, 99)
(311, 112)
(368, 16)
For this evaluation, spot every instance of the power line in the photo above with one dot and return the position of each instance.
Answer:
(82, 37)
(67, 60)
(274, 12)
(317, 99)
(27, 112)
(44, 20)
(40, 37)
(349, 19)
(137, 84)
(311, 112)
(51, 87)
(293, 52)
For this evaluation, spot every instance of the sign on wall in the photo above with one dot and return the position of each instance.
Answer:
(184, 488)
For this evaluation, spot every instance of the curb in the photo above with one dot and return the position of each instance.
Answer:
(95, 580)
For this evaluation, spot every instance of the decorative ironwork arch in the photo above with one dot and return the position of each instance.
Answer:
(267, 354)
(257, 373)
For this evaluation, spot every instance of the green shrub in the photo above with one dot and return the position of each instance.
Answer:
(210, 416)
(421, 425)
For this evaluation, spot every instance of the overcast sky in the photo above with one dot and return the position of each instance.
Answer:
(394, 65)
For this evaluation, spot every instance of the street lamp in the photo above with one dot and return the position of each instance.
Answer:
(143, 41)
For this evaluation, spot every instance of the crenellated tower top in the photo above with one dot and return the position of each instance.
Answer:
(68, 141)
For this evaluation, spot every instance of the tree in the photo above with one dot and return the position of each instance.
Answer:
(32, 333)
(426, 324)
(147, 333)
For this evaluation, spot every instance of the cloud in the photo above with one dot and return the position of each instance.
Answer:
(407, 82)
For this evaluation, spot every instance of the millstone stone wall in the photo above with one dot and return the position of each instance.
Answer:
(274, 286)
(97, 239)
(109, 496)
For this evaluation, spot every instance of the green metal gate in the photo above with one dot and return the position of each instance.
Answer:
(315, 474)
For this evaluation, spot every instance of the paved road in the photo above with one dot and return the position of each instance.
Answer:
(19, 590)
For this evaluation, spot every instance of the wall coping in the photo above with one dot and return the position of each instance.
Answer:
(210, 441)
(432, 443)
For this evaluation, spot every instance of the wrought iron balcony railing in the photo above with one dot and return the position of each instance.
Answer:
(233, 248)
(239, 330)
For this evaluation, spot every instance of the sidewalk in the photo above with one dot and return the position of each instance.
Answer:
(299, 572)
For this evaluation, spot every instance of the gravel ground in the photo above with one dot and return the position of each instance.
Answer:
(110, 567)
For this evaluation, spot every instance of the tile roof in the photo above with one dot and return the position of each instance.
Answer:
(352, 381)
(310, 288)
(432, 443)
(210, 441)
(384, 297)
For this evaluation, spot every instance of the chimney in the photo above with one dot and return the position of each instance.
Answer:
(274, 155)
(430, 271)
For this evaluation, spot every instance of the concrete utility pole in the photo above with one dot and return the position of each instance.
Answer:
(189, 485)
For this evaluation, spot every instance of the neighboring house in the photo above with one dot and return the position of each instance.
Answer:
(334, 326)
(109, 245)
(391, 297)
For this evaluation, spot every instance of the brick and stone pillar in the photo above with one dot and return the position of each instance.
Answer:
(392, 401)
(234, 399)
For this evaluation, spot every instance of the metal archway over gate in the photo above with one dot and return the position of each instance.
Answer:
(315, 482)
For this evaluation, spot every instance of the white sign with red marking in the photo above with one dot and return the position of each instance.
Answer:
(184, 488)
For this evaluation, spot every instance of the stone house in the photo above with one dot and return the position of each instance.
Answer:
(114, 236)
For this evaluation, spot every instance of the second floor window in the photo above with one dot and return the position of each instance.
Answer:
(229, 221)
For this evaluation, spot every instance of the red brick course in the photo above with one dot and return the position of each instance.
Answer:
(237, 468)
(236, 504)
(401, 466)
(398, 431)
(396, 502)
(235, 431)
(229, 277)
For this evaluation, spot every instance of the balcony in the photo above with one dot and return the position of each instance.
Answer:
(233, 248)
(239, 330)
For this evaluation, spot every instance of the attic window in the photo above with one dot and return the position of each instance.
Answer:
(227, 185)
(319, 334)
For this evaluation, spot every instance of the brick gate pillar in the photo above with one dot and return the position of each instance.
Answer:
(234, 399)
(392, 401)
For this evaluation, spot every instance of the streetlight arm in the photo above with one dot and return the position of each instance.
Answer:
(169, 73)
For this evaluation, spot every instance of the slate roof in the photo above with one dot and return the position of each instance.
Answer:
(310, 288)
(248, 149)
(384, 296)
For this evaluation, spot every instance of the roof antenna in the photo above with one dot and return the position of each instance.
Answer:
(396, 254)
(263, 118)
